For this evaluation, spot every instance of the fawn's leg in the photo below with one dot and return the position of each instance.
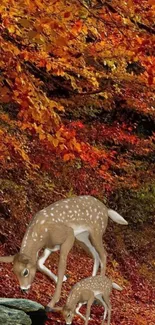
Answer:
(100, 298)
(89, 303)
(77, 310)
(107, 301)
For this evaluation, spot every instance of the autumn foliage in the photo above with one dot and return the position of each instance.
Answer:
(77, 116)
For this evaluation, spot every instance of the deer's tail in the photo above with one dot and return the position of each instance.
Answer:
(116, 286)
(117, 217)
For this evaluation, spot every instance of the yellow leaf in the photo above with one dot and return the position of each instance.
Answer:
(55, 142)
(19, 67)
(11, 29)
(42, 136)
(76, 145)
(48, 66)
(24, 156)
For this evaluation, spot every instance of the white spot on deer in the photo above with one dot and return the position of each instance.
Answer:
(66, 206)
(46, 229)
(52, 214)
(43, 221)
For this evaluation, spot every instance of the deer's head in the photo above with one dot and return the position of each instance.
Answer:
(68, 313)
(23, 268)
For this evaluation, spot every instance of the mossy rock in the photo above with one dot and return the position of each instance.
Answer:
(21, 312)
(10, 316)
(23, 304)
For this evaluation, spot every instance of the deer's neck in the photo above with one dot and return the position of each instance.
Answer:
(73, 300)
(32, 243)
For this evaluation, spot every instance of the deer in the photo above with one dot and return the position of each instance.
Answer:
(85, 292)
(56, 227)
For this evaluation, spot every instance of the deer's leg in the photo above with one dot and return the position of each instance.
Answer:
(42, 268)
(96, 241)
(100, 298)
(84, 237)
(64, 250)
(77, 310)
(89, 303)
(107, 301)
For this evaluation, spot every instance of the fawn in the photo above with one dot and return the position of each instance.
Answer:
(85, 292)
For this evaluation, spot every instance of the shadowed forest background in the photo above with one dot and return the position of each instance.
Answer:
(77, 116)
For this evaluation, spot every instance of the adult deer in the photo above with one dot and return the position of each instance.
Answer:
(55, 228)
(85, 292)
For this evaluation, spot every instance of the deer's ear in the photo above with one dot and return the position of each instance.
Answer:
(7, 259)
(22, 258)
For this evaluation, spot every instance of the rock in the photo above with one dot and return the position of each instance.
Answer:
(21, 312)
(23, 304)
(9, 316)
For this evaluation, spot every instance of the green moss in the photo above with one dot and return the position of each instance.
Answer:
(138, 206)
(11, 185)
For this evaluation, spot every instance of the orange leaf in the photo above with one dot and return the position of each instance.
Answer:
(68, 156)
(77, 27)
(48, 66)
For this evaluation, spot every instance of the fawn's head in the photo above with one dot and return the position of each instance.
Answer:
(68, 313)
(23, 268)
